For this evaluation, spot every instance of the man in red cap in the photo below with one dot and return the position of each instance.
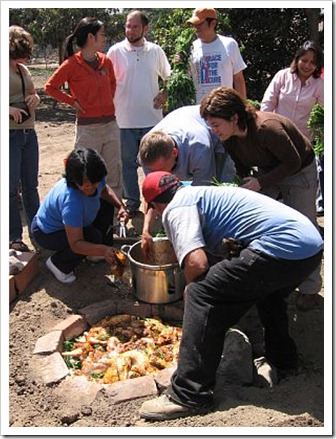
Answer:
(279, 248)
(215, 60)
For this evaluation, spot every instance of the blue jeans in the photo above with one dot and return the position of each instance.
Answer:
(130, 139)
(23, 167)
(216, 301)
(64, 258)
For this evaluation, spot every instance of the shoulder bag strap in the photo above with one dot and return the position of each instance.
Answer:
(22, 81)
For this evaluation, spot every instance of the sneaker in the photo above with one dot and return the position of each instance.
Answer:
(65, 278)
(265, 373)
(163, 408)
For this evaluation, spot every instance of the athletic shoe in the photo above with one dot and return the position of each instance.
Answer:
(65, 278)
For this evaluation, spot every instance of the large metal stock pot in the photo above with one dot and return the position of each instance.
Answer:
(160, 279)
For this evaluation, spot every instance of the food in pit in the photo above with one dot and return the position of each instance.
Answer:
(123, 347)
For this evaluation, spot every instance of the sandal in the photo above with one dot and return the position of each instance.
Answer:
(19, 246)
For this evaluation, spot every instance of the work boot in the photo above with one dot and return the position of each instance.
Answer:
(163, 408)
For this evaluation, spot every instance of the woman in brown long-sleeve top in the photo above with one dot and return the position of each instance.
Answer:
(283, 156)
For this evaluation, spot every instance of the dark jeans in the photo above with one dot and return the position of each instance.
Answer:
(217, 301)
(64, 258)
(23, 167)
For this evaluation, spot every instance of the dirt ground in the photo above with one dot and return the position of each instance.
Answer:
(297, 401)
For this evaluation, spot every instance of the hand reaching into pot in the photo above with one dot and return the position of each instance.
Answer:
(147, 246)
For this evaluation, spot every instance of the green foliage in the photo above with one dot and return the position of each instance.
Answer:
(181, 90)
(237, 181)
(53, 25)
(68, 345)
(255, 104)
(316, 126)
(268, 37)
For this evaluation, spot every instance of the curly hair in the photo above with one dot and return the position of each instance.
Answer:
(21, 43)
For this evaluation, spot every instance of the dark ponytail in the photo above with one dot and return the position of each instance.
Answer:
(86, 26)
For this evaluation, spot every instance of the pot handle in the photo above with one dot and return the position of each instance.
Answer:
(125, 248)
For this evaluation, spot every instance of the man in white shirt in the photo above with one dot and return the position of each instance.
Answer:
(215, 60)
(138, 64)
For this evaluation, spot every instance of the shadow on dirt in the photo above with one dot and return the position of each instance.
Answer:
(50, 110)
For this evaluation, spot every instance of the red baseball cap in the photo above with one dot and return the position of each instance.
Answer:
(156, 183)
(201, 14)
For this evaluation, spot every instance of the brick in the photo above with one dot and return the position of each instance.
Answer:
(174, 312)
(98, 311)
(236, 365)
(135, 309)
(12, 289)
(82, 391)
(72, 327)
(49, 369)
(163, 377)
(134, 388)
(49, 343)
(24, 278)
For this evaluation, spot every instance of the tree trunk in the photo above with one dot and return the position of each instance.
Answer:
(313, 16)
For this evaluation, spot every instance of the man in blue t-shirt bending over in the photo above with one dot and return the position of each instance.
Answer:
(278, 248)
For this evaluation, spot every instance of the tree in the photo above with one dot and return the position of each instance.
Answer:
(268, 37)
(53, 25)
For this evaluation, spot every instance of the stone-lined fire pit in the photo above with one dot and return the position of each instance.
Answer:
(49, 366)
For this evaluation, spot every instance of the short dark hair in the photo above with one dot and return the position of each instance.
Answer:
(84, 163)
(318, 53)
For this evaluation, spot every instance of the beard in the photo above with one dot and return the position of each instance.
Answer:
(135, 40)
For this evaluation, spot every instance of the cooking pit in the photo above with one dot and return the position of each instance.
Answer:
(124, 380)
(122, 347)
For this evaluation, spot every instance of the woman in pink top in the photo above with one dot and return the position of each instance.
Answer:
(292, 93)
(295, 90)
